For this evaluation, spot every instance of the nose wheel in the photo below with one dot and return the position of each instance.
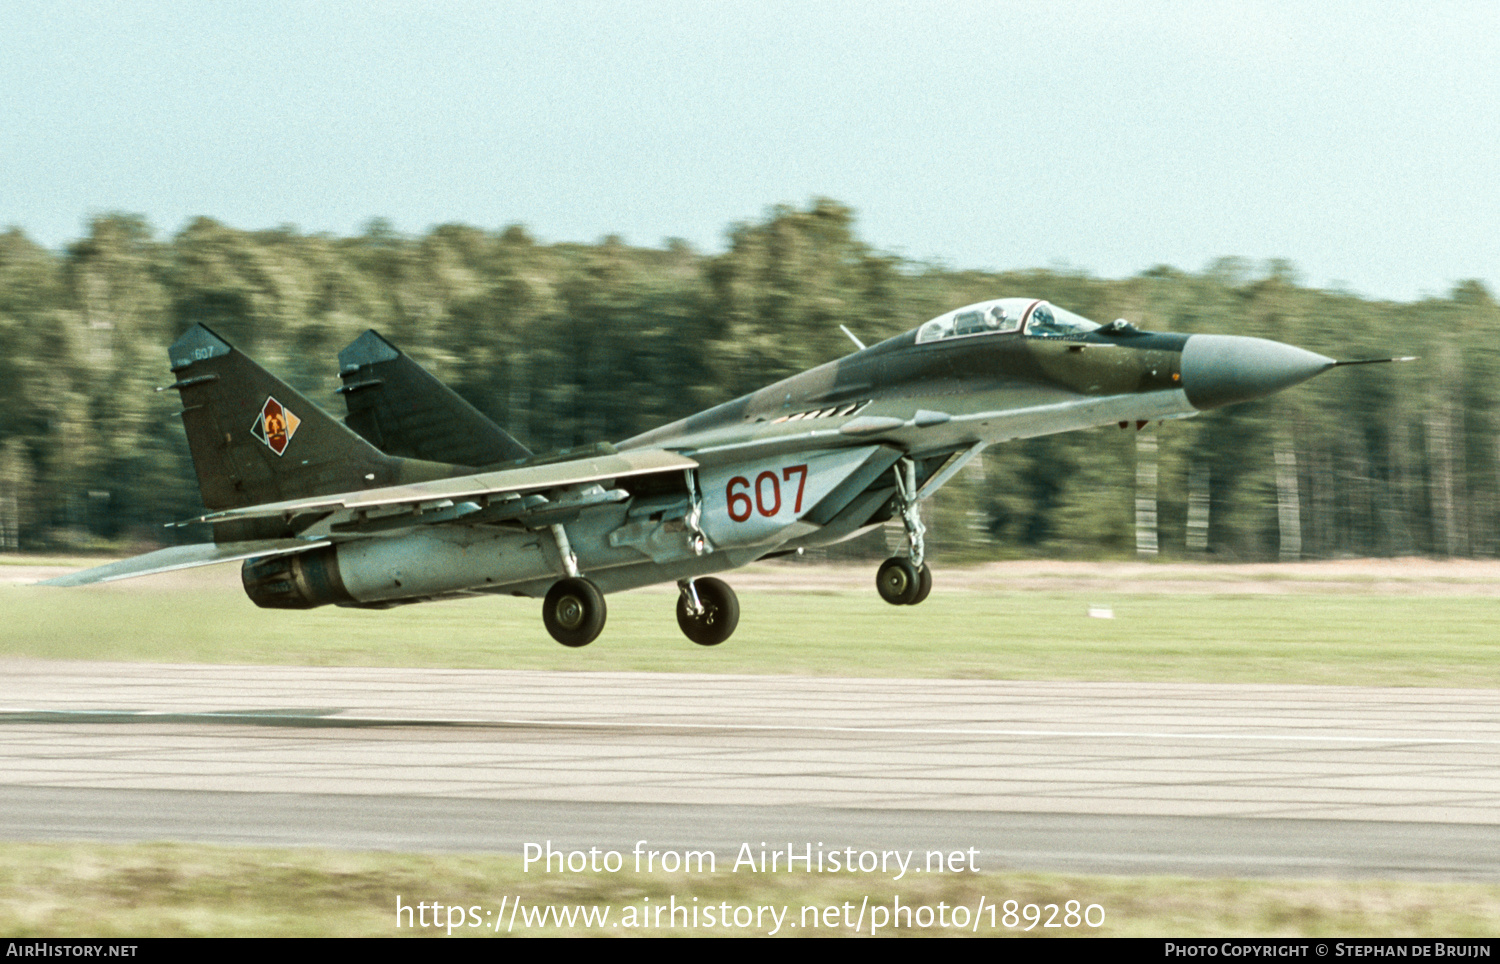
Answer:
(574, 612)
(707, 610)
(902, 584)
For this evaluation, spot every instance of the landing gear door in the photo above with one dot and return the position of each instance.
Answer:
(749, 503)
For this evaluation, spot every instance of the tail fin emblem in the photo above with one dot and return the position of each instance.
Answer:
(275, 425)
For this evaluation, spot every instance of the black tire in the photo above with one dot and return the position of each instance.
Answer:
(574, 612)
(924, 585)
(898, 581)
(721, 613)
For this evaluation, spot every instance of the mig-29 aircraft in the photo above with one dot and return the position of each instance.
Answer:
(417, 496)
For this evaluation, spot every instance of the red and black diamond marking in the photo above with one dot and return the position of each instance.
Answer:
(275, 425)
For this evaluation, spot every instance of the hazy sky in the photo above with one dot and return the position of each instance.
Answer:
(1360, 140)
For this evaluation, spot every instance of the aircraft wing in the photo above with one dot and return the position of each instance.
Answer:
(352, 514)
(183, 557)
(446, 493)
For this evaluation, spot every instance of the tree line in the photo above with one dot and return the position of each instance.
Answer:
(565, 344)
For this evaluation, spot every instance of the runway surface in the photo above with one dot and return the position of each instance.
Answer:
(1100, 777)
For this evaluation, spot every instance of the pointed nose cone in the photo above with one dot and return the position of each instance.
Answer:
(1225, 369)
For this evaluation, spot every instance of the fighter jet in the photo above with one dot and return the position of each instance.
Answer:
(417, 496)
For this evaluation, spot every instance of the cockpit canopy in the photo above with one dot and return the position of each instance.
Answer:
(1037, 319)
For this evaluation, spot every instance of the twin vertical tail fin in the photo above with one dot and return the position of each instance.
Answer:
(403, 410)
(255, 439)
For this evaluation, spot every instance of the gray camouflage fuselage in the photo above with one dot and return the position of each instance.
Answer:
(810, 460)
(389, 513)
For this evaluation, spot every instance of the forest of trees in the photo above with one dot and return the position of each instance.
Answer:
(571, 343)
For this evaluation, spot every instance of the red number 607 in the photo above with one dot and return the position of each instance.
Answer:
(767, 493)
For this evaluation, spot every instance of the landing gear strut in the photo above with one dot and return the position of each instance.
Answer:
(574, 612)
(707, 610)
(907, 581)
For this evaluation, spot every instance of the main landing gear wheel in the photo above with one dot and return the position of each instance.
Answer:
(901, 583)
(720, 615)
(574, 612)
(924, 584)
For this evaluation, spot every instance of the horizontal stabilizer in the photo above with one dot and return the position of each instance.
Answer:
(183, 557)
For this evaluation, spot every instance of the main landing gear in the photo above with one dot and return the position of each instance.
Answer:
(574, 609)
(901, 583)
(707, 610)
(574, 612)
(906, 581)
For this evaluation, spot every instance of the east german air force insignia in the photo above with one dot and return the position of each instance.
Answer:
(275, 425)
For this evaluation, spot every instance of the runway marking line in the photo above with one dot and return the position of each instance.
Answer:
(317, 718)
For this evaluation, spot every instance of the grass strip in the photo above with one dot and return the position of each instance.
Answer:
(1345, 639)
(164, 890)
